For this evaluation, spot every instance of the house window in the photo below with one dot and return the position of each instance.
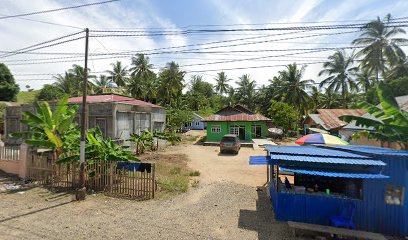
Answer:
(234, 130)
(257, 130)
(101, 124)
(216, 129)
(197, 123)
(394, 195)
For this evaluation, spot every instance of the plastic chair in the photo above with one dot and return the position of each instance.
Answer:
(345, 219)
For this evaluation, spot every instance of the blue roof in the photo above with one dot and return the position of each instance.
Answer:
(312, 151)
(335, 160)
(372, 150)
(260, 160)
(334, 174)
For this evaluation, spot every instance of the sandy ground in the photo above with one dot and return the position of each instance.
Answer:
(226, 205)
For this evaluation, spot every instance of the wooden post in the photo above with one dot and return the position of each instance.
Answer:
(153, 179)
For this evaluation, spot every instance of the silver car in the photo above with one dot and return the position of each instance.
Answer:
(230, 143)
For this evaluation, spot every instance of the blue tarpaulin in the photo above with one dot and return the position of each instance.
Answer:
(334, 174)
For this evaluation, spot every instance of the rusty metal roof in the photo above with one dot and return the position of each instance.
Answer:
(241, 117)
(112, 98)
(330, 117)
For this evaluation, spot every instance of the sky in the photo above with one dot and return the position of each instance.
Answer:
(36, 70)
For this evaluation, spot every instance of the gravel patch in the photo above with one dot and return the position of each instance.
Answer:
(221, 210)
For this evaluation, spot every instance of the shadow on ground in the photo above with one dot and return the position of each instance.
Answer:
(262, 219)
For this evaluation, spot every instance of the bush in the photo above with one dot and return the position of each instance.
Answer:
(194, 173)
(177, 184)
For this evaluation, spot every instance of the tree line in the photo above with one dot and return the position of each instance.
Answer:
(349, 77)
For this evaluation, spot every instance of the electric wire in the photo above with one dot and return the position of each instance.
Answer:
(57, 9)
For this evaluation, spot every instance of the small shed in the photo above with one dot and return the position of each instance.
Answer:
(310, 184)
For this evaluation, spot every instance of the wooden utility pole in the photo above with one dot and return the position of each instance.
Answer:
(82, 189)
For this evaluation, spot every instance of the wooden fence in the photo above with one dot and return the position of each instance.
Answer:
(11, 153)
(124, 180)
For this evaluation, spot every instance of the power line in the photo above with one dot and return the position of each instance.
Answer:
(210, 43)
(191, 31)
(30, 48)
(56, 10)
(50, 23)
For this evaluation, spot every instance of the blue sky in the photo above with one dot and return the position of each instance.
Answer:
(181, 14)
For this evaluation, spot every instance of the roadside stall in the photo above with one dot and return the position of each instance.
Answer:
(315, 185)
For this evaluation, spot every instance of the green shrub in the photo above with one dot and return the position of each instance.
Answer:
(175, 171)
(194, 173)
(177, 184)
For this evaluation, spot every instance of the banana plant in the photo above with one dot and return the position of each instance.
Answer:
(142, 141)
(390, 123)
(48, 128)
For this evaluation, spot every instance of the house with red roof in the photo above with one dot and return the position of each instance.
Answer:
(236, 120)
(115, 115)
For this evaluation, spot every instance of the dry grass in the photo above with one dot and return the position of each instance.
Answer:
(172, 173)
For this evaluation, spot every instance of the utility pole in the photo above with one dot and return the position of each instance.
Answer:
(82, 189)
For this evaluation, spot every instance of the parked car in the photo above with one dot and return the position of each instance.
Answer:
(230, 143)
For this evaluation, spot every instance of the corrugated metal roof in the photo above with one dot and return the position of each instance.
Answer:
(112, 98)
(241, 117)
(334, 174)
(316, 119)
(312, 151)
(330, 117)
(260, 160)
(334, 160)
(371, 150)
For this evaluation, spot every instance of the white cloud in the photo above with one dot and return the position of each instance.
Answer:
(17, 33)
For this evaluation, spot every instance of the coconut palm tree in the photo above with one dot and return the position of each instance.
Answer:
(118, 74)
(398, 70)
(222, 83)
(340, 71)
(246, 90)
(329, 100)
(170, 83)
(292, 89)
(380, 41)
(141, 67)
(365, 81)
(100, 83)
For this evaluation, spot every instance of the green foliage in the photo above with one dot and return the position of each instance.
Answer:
(27, 97)
(50, 92)
(47, 128)
(391, 123)
(194, 173)
(283, 115)
(222, 85)
(142, 141)
(170, 83)
(380, 40)
(246, 91)
(97, 149)
(292, 89)
(177, 184)
(8, 86)
(176, 118)
(341, 72)
(118, 74)
(399, 87)
(200, 93)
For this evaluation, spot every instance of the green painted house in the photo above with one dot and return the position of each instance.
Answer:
(235, 120)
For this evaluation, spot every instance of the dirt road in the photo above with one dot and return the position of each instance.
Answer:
(225, 205)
